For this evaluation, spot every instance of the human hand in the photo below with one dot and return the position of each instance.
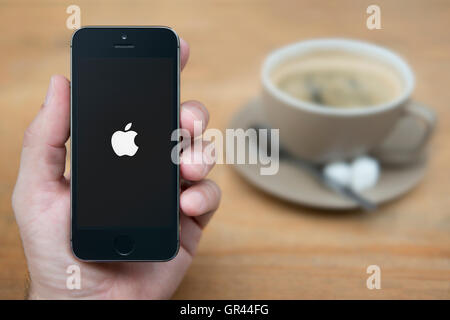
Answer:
(41, 203)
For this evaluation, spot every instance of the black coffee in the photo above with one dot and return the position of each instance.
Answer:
(338, 79)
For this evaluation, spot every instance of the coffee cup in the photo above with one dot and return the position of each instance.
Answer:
(336, 99)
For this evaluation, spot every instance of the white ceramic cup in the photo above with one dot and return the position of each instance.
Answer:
(323, 134)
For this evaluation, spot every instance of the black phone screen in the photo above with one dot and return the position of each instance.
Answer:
(125, 119)
(124, 111)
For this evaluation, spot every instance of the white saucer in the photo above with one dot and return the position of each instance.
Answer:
(296, 185)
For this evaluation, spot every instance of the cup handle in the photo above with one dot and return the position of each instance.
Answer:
(421, 114)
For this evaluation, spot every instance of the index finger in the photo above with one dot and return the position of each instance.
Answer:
(184, 53)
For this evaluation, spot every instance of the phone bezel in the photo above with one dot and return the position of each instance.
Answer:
(96, 244)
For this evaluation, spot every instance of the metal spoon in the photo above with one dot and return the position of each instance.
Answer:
(316, 171)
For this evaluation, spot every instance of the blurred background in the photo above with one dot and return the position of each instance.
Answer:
(257, 247)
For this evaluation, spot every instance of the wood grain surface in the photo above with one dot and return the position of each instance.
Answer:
(256, 246)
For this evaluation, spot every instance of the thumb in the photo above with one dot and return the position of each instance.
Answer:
(44, 154)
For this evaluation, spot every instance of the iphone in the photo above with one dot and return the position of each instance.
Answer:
(124, 109)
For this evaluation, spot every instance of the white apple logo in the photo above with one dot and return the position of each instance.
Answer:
(123, 142)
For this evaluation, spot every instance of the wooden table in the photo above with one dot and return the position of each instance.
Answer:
(257, 246)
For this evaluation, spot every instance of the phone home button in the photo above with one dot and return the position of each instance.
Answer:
(124, 245)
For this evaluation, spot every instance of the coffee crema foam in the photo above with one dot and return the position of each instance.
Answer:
(338, 79)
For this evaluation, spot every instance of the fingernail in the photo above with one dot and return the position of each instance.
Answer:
(196, 114)
(50, 92)
(209, 154)
(197, 201)
(207, 162)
